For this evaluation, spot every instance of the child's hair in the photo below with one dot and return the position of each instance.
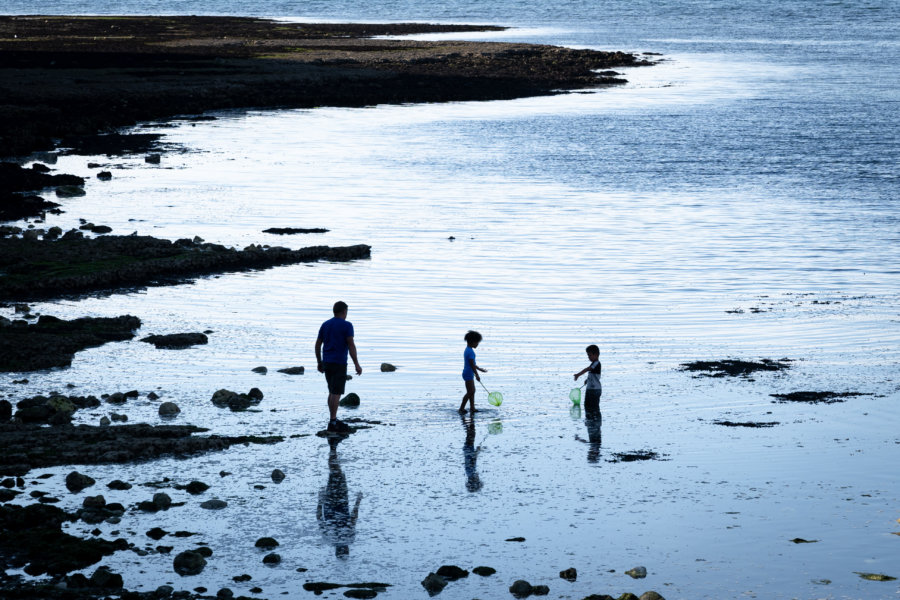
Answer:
(592, 349)
(472, 337)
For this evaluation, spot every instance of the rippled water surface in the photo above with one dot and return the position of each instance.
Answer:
(736, 200)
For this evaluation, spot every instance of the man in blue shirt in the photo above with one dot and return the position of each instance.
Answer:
(334, 343)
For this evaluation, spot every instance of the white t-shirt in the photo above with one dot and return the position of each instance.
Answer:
(593, 378)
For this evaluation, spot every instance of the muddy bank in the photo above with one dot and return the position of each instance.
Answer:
(63, 76)
(72, 265)
(32, 446)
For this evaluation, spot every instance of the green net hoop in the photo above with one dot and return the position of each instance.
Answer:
(575, 395)
(495, 398)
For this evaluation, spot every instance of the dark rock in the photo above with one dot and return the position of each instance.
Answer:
(260, 370)
(350, 399)
(196, 487)
(106, 579)
(70, 191)
(153, 159)
(293, 230)
(118, 484)
(293, 370)
(97, 501)
(176, 341)
(214, 504)
(104, 175)
(189, 563)
(521, 588)
(750, 424)
(515, 539)
(168, 409)
(256, 394)
(637, 572)
(7, 495)
(5, 410)
(540, 590)
(277, 475)
(569, 574)
(152, 396)
(164, 591)
(452, 572)
(75, 482)
(266, 543)
(627, 596)
(236, 402)
(651, 595)
(434, 584)
(272, 559)
(162, 501)
(118, 418)
(484, 571)
(204, 551)
(388, 368)
(361, 593)
(156, 533)
(224, 594)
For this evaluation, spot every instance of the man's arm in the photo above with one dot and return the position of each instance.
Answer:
(351, 347)
(319, 355)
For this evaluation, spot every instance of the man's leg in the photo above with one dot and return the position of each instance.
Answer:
(333, 400)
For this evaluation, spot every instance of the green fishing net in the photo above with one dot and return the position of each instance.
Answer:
(495, 398)
(575, 395)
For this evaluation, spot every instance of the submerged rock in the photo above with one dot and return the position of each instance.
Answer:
(214, 504)
(168, 409)
(387, 368)
(569, 574)
(272, 559)
(278, 475)
(260, 370)
(484, 571)
(293, 370)
(266, 543)
(226, 398)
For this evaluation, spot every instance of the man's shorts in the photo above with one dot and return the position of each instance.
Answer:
(336, 376)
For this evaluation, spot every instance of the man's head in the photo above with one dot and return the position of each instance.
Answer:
(340, 309)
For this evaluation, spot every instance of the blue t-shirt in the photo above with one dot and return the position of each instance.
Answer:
(334, 333)
(468, 374)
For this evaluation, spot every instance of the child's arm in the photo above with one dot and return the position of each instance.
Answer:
(476, 368)
(582, 372)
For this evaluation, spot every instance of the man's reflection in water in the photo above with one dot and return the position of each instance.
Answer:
(470, 455)
(338, 524)
(592, 420)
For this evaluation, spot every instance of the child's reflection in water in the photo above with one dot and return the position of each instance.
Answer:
(470, 455)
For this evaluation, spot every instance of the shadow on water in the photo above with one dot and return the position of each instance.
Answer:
(336, 520)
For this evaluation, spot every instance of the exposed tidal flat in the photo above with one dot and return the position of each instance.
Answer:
(748, 342)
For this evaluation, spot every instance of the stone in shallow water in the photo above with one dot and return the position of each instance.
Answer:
(189, 563)
(484, 571)
(637, 572)
(214, 504)
(434, 583)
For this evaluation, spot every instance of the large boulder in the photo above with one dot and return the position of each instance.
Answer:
(189, 563)
(75, 482)
(168, 409)
(350, 400)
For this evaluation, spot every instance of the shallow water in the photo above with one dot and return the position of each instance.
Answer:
(748, 172)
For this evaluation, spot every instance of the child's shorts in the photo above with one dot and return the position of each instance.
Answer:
(592, 400)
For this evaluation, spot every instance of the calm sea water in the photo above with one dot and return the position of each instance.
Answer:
(737, 200)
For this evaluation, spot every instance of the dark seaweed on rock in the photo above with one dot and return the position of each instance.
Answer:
(32, 537)
(293, 230)
(53, 342)
(817, 397)
(32, 446)
(52, 269)
(734, 367)
(635, 456)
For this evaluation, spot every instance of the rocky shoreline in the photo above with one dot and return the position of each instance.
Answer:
(62, 76)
